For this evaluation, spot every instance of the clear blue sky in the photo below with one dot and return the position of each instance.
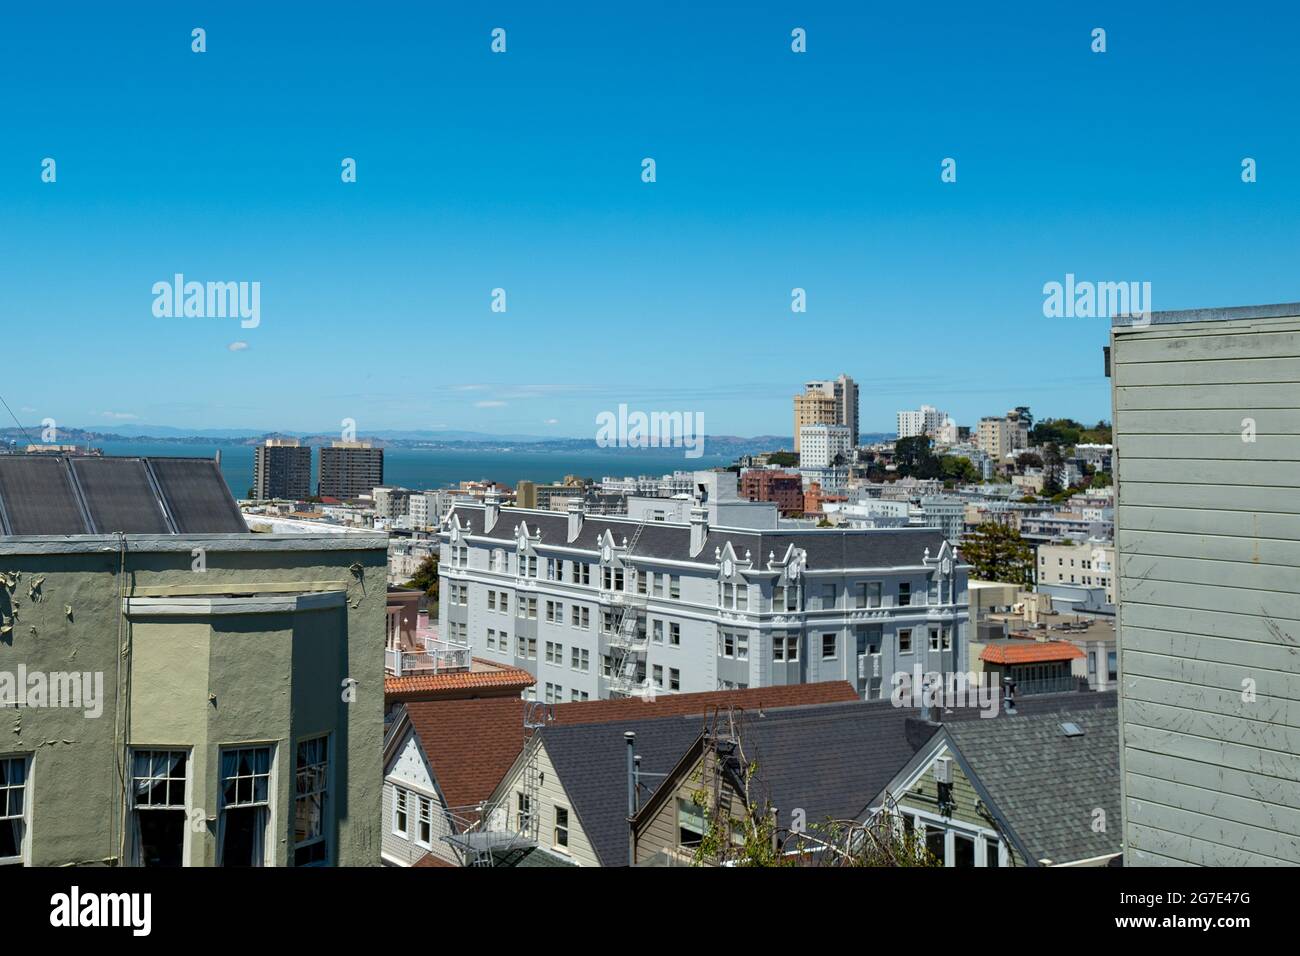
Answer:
(522, 171)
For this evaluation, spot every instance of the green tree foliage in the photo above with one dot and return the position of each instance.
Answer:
(1053, 469)
(426, 579)
(998, 553)
(958, 468)
(783, 459)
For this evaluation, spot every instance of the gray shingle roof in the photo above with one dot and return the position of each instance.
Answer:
(78, 495)
(828, 760)
(826, 548)
(591, 761)
(1047, 785)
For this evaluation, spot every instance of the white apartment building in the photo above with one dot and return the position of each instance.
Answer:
(597, 606)
(820, 444)
(927, 420)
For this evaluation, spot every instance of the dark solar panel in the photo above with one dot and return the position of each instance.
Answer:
(118, 495)
(37, 496)
(197, 496)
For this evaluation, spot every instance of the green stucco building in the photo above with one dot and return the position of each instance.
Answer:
(175, 690)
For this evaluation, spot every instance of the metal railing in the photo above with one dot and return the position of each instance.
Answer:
(428, 657)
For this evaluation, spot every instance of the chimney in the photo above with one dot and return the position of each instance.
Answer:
(699, 529)
(491, 509)
(630, 737)
(577, 508)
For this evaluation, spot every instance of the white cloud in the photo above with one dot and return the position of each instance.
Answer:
(551, 421)
(237, 346)
(491, 404)
(119, 416)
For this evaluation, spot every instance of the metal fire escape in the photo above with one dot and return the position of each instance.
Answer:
(628, 642)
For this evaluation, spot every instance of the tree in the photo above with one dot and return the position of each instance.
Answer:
(754, 837)
(783, 459)
(1023, 413)
(426, 580)
(914, 457)
(958, 468)
(1027, 459)
(997, 552)
(1053, 468)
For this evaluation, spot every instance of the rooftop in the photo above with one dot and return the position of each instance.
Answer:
(1277, 311)
(1015, 650)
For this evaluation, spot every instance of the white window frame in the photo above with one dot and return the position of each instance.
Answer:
(133, 849)
(25, 851)
(272, 776)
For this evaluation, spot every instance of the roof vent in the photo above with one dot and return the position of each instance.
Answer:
(1071, 729)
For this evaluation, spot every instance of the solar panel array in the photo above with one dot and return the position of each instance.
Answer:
(58, 495)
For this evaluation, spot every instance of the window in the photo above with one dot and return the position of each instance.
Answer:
(934, 638)
(675, 635)
(829, 596)
(491, 639)
(690, 824)
(492, 600)
(1112, 666)
(742, 597)
(658, 631)
(657, 584)
(424, 822)
(963, 850)
(550, 612)
(561, 839)
(400, 822)
(641, 581)
(785, 647)
(158, 811)
(905, 640)
(727, 644)
(860, 595)
(526, 648)
(674, 679)
(580, 660)
(554, 653)
(554, 693)
(947, 638)
(245, 806)
(828, 646)
(505, 603)
(311, 792)
(658, 671)
(674, 586)
(932, 596)
(904, 594)
(553, 569)
(524, 814)
(742, 647)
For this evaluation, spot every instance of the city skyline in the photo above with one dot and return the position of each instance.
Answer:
(477, 171)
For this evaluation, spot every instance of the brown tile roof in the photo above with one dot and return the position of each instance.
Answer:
(471, 743)
(499, 679)
(1029, 652)
(430, 860)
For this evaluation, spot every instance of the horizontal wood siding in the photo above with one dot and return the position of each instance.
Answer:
(1208, 563)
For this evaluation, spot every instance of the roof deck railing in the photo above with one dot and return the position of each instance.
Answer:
(429, 656)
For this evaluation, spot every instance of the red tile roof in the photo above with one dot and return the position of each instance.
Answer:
(430, 860)
(471, 743)
(1030, 652)
(498, 679)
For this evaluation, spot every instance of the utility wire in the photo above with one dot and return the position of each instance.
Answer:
(16, 421)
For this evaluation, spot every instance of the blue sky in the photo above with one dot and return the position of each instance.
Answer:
(522, 171)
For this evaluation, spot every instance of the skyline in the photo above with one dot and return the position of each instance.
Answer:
(478, 171)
